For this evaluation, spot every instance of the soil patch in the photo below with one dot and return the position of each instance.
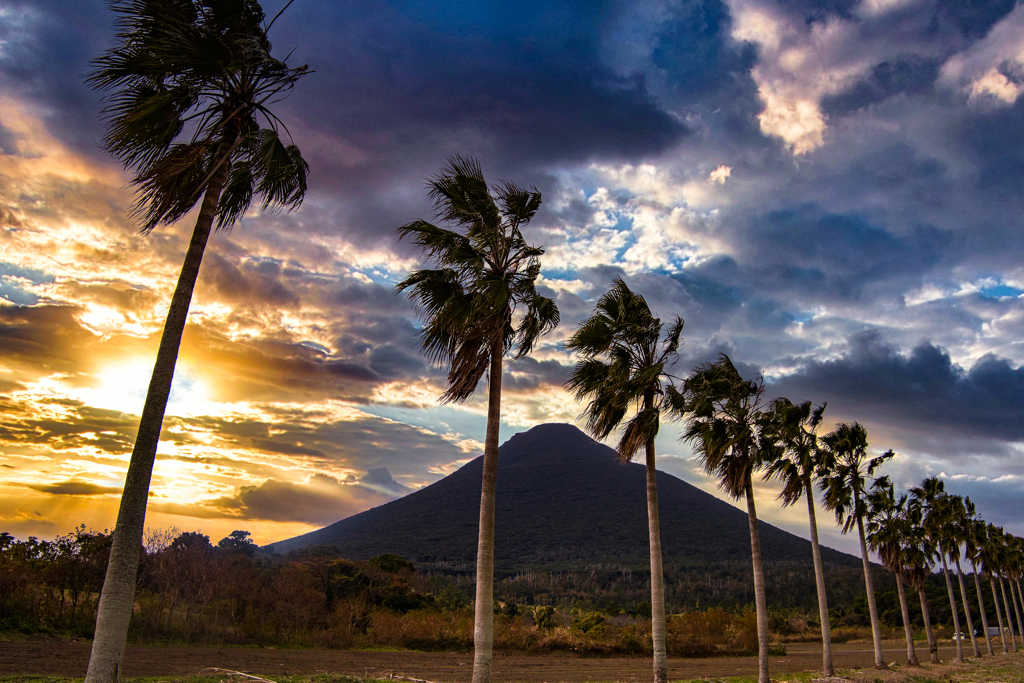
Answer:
(70, 659)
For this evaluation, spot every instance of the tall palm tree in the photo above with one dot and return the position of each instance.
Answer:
(1012, 569)
(973, 533)
(732, 436)
(192, 85)
(933, 500)
(989, 559)
(957, 533)
(1001, 562)
(918, 556)
(844, 474)
(794, 464)
(887, 527)
(622, 373)
(485, 279)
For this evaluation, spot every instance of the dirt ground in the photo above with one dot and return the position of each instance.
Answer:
(71, 658)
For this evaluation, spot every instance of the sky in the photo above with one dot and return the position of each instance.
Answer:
(829, 191)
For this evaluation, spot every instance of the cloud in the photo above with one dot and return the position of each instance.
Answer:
(322, 500)
(923, 391)
(992, 69)
(74, 488)
(377, 478)
(815, 186)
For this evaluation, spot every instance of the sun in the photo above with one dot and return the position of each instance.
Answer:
(122, 387)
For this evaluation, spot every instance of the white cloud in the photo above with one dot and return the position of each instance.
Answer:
(720, 174)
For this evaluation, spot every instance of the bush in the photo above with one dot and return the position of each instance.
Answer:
(450, 599)
(588, 621)
(698, 634)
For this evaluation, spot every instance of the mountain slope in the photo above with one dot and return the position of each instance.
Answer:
(562, 498)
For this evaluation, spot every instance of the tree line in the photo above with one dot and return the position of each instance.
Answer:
(192, 591)
(192, 85)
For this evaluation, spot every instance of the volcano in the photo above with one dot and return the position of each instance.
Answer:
(563, 500)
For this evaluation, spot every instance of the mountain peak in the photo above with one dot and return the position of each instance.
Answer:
(544, 434)
(561, 497)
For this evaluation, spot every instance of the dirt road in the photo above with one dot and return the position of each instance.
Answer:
(70, 659)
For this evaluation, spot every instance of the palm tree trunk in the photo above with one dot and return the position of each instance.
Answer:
(1016, 609)
(759, 599)
(819, 579)
(999, 616)
(952, 601)
(966, 603)
(483, 628)
(981, 608)
(911, 655)
(1009, 617)
(657, 574)
(876, 627)
(117, 599)
(933, 646)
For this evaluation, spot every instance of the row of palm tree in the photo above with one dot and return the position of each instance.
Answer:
(625, 353)
(914, 532)
(623, 375)
(480, 303)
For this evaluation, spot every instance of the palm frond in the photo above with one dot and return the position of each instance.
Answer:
(637, 434)
(485, 279)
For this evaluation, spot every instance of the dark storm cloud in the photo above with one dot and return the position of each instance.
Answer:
(836, 255)
(528, 83)
(992, 139)
(48, 45)
(972, 19)
(527, 374)
(911, 75)
(397, 88)
(922, 390)
(252, 282)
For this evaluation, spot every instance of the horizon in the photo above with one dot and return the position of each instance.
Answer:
(829, 192)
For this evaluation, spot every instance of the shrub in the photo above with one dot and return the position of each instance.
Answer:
(698, 634)
(588, 621)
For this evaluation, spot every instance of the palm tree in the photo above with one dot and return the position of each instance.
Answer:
(972, 533)
(624, 353)
(192, 81)
(797, 459)
(918, 556)
(843, 475)
(1012, 568)
(486, 277)
(1001, 550)
(732, 437)
(989, 559)
(887, 529)
(957, 533)
(933, 500)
